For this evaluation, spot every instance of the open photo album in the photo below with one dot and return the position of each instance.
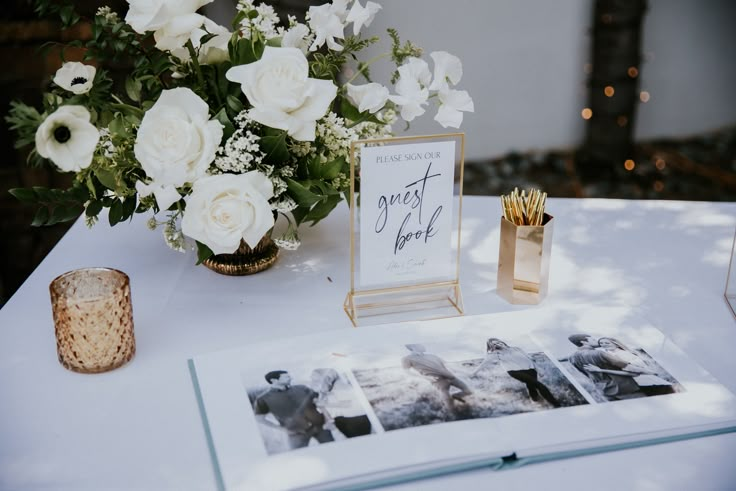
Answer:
(351, 409)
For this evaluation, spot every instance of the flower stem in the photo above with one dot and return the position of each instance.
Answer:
(195, 62)
(366, 65)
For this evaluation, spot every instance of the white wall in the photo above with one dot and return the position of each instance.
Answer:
(524, 60)
(523, 66)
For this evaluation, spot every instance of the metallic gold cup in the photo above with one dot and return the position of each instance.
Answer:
(93, 319)
(523, 261)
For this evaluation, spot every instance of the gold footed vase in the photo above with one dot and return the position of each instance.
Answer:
(245, 260)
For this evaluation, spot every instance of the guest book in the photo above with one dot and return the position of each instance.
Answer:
(356, 409)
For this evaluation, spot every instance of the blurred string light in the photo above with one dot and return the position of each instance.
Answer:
(629, 165)
(610, 91)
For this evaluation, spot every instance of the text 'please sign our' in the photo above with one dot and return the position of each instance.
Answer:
(406, 210)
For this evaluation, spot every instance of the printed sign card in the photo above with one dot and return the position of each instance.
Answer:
(405, 203)
(406, 212)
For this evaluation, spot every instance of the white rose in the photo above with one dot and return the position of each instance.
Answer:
(225, 208)
(282, 94)
(75, 77)
(177, 141)
(67, 138)
(171, 20)
(369, 97)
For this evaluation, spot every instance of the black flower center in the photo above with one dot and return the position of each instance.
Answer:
(62, 134)
(79, 81)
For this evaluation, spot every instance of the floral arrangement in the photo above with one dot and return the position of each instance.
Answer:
(219, 132)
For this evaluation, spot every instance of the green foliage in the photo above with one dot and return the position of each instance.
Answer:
(203, 252)
(54, 205)
(327, 65)
(400, 53)
(274, 146)
(349, 111)
(24, 120)
(63, 9)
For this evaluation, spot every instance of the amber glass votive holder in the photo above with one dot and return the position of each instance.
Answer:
(93, 319)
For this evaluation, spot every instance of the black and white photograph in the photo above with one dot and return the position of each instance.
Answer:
(610, 370)
(299, 408)
(434, 383)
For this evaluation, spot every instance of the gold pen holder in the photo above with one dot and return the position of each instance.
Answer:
(523, 261)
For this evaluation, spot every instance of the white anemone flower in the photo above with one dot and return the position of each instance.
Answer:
(446, 67)
(75, 77)
(453, 102)
(67, 138)
(369, 97)
(362, 16)
(326, 25)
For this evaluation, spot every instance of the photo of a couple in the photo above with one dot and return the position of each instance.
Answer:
(426, 387)
(611, 371)
(293, 415)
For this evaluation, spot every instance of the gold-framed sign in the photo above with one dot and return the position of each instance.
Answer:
(405, 221)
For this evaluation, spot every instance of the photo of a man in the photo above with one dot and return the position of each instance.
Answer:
(294, 409)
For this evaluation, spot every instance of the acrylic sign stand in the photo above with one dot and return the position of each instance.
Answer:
(395, 300)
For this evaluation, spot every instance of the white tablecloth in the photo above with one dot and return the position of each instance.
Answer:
(139, 427)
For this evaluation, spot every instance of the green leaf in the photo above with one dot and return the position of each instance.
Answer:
(133, 88)
(116, 212)
(44, 195)
(275, 148)
(106, 178)
(207, 37)
(322, 209)
(93, 208)
(247, 51)
(234, 104)
(353, 114)
(42, 215)
(239, 18)
(128, 110)
(331, 170)
(301, 194)
(64, 213)
(128, 207)
(227, 126)
(326, 170)
(67, 15)
(24, 195)
(203, 252)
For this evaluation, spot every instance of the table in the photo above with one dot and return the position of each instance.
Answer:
(139, 427)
